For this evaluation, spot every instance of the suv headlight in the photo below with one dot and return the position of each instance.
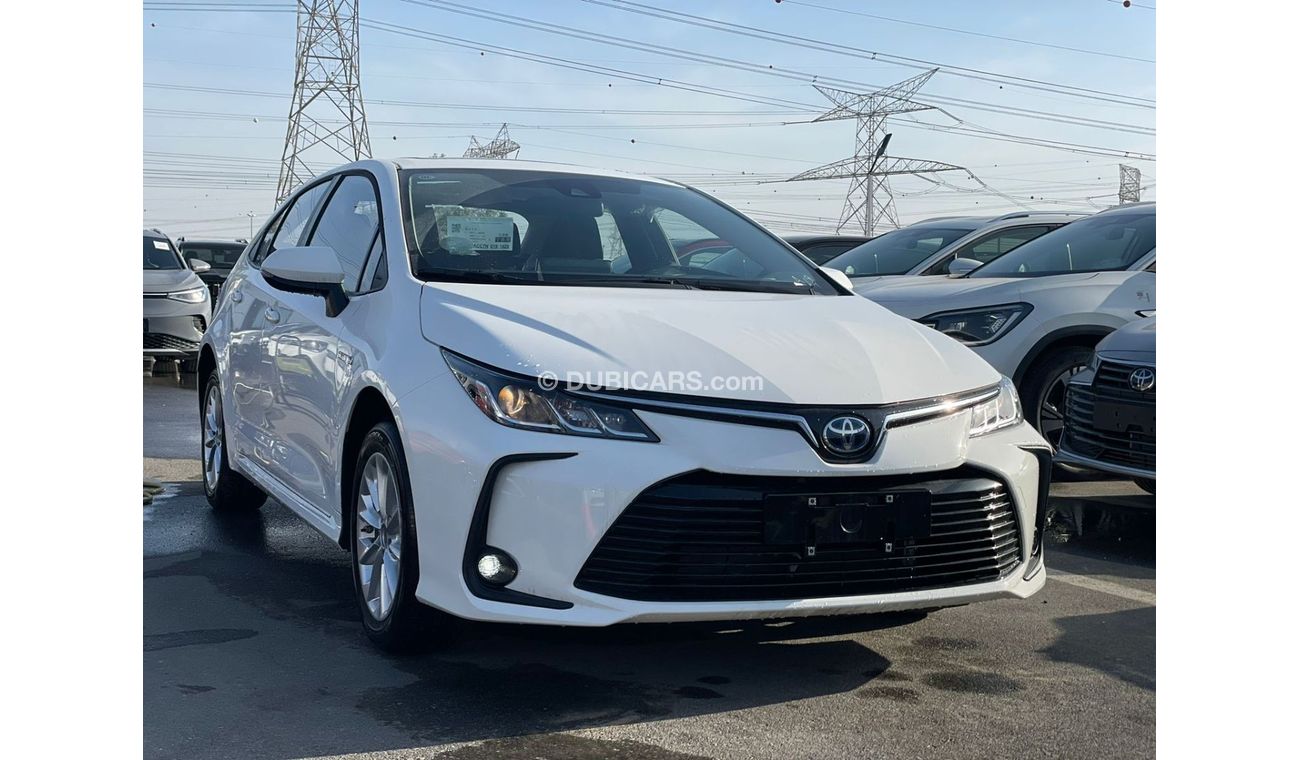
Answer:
(977, 327)
(523, 403)
(998, 412)
(193, 295)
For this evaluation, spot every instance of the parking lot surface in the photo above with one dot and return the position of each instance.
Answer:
(252, 649)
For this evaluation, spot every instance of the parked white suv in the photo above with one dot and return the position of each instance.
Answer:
(433, 364)
(1037, 312)
(943, 245)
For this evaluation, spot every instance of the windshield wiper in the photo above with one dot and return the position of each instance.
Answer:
(443, 274)
(754, 286)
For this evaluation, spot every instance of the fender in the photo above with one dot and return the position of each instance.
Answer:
(1076, 331)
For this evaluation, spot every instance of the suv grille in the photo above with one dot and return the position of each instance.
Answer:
(700, 537)
(1129, 449)
(159, 341)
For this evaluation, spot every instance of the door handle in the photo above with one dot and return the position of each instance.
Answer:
(236, 296)
(272, 316)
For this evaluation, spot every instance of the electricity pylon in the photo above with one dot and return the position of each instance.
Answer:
(326, 86)
(1130, 184)
(500, 146)
(870, 201)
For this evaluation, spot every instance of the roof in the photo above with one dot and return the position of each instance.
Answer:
(511, 164)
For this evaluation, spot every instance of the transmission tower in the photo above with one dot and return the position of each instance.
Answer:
(327, 119)
(1130, 184)
(500, 146)
(869, 201)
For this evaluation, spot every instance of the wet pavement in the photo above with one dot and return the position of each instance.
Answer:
(252, 649)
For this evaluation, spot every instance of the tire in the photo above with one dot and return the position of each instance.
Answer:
(227, 490)
(381, 537)
(1043, 390)
(1146, 484)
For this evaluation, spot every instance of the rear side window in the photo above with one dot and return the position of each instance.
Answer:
(348, 226)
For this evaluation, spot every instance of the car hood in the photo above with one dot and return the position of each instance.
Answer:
(169, 280)
(916, 297)
(1135, 341)
(802, 349)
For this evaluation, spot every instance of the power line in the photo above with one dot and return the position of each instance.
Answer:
(749, 66)
(1036, 43)
(874, 55)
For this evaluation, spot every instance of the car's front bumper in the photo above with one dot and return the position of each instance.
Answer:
(548, 500)
(173, 328)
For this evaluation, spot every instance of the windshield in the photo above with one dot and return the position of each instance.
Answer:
(507, 226)
(159, 254)
(1102, 243)
(897, 252)
(219, 255)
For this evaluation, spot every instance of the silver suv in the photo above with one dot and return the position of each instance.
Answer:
(944, 245)
(176, 303)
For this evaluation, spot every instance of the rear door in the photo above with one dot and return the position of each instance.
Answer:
(309, 362)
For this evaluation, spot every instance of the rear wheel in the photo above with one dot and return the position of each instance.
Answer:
(227, 490)
(1044, 389)
(385, 559)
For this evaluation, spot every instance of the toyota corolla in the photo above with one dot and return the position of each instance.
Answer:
(499, 425)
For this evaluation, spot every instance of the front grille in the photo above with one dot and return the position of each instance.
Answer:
(1081, 436)
(1112, 380)
(699, 537)
(162, 341)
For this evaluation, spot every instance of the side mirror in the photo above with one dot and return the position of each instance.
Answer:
(838, 276)
(310, 269)
(199, 266)
(963, 267)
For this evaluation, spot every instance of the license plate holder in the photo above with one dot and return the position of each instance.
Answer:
(846, 518)
(1113, 417)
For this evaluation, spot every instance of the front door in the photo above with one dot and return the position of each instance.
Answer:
(309, 377)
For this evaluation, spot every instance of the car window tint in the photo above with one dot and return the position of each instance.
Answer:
(348, 225)
(824, 252)
(1109, 241)
(1002, 242)
(219, 256)
(896, 252)
(293, 225)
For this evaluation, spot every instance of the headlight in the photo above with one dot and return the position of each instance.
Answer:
(193, 295)
(523, 403)
(976, 327)
(998, 412)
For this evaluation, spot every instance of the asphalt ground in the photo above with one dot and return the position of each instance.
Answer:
(252, 649)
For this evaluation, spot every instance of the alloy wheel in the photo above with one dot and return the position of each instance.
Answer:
(378, 535)
(1051, 413)
(213, 440)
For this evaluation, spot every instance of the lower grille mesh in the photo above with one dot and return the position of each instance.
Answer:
(159, 341)
(699, 537)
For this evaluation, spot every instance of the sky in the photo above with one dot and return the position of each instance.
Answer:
(1039, 101)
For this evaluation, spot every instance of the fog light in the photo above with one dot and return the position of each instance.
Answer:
(497, 567)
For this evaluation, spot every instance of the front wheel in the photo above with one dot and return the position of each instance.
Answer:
(227, 490)
(1044, 389)
(385, 559)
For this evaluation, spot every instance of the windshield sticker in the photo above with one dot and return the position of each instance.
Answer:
(161, 245)
(479, 233)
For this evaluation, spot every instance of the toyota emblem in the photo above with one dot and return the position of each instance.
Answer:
(846, 435)
(1142, 379)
